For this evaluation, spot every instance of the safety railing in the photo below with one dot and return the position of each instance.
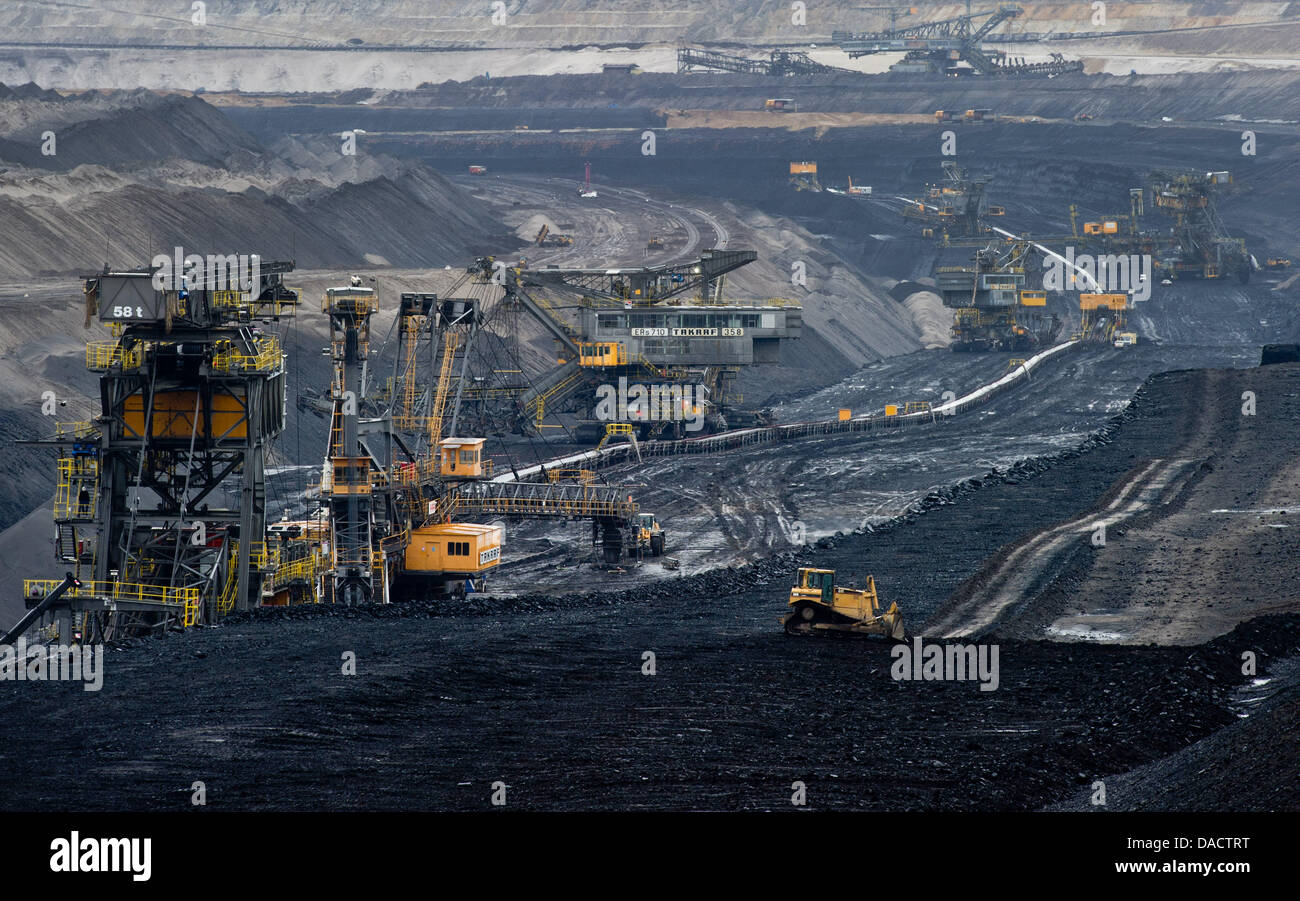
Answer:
(300, 569)
(390, 546)
(229, 589)
(540, 500)
(345, 303)
(258, 554)
(409, 473)
(137, 592)
(266, 357)
(102, 356)
(581, 476)
(229, 300)
(84, 429)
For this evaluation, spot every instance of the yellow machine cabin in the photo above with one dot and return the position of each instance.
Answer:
(1103, 301)
(454, 549)
(461, 458)
(818, 605)
(349, 475)
(601, 354)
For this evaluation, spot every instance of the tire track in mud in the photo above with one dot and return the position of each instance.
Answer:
(1013, 580)
(1016, 577)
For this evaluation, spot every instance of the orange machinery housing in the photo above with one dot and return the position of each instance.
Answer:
(173, 416)
(458, 549)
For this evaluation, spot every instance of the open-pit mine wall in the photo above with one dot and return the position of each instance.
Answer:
(327, 46)
(560, 23)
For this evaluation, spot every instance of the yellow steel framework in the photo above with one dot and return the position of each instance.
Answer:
(78, 488)
(404, 417)
(450, 342)
(538, 403)
(616, 429)
(243, 301)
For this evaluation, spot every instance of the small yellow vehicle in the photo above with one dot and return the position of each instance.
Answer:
(818, 606)
(649, 535)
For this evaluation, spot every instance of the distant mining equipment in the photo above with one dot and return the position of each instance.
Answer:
(1202, 247)
(996, 308)
(803, 176)
(779, 63)
(952, 47)
(670, 329)
(993, 308)
(1196, 245)
(956, 206)
(1102, 319)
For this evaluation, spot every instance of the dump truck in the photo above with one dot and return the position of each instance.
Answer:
(819, 607)
(649, 535)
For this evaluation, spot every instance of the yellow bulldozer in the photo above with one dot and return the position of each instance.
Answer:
(819, 606)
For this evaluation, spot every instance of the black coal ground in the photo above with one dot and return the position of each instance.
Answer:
(548, 694)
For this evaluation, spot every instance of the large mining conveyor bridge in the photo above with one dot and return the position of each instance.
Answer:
(616, 454)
